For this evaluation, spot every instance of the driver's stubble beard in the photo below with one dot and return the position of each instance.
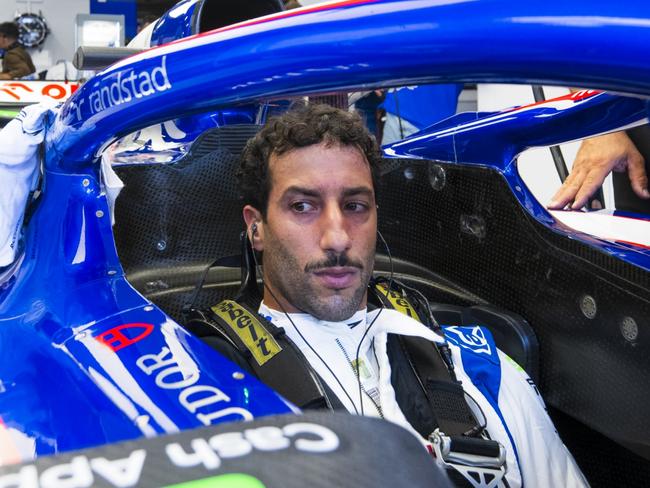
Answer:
(292, 283)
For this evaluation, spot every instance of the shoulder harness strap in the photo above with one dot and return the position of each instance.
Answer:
(268, 351)
(454, 432)
(430, 362)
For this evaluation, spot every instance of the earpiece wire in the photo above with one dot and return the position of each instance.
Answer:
(390, 284)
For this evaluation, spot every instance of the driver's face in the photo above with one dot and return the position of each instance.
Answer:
(319, 235)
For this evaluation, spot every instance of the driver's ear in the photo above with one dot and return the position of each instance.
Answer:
(254, 227)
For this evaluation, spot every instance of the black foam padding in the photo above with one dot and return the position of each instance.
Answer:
(366, 453)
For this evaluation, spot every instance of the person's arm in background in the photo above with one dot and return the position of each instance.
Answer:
(15, 66)
(596, 158)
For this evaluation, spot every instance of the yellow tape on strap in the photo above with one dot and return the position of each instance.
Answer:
(249, 329)
(398, 302)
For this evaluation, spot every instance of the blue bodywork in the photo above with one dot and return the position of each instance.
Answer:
(178, 23)
(73, 332)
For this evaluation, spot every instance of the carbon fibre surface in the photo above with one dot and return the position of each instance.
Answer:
(594, 360)
(174, 220)
(474, 233)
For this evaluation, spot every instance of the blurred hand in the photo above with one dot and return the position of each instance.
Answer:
(5, 76)
(596, 158)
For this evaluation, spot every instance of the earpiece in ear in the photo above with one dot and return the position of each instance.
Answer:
(254, 230)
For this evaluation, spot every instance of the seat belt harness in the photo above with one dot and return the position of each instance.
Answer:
(471, 460)
(269, 353)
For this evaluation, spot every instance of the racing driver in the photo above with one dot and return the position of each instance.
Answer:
(308, 179)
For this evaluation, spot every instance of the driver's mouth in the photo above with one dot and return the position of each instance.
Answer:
(337, 277)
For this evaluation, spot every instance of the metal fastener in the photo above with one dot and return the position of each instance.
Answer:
(473, 225)
(85, 182)
(629, 329)
(238, 375)
(588, 306)
(148, 308)
(437, 177)
(99, 214)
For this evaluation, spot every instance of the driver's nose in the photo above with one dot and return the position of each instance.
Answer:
(334, 233)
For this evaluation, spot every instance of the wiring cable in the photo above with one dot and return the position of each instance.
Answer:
(390, 284)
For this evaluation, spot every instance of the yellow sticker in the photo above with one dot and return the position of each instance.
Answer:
(250, 330)
(398, 302)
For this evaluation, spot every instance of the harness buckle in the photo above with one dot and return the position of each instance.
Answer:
(482, 462)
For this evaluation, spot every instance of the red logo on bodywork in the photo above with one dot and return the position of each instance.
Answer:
(117, 339)
(575, 96)
(26, 91)
(12, 89)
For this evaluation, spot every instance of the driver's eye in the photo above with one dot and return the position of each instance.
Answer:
(302, 207)
(356, 207)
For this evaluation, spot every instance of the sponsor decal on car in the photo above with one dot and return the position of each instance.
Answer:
(123, 335)
(124, 87)
(170, 374)
(23, 92)
(559, 102)
(304, 436)
(204, 449)
(236, 480)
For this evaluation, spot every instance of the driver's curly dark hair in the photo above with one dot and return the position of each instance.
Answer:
(301, 126)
